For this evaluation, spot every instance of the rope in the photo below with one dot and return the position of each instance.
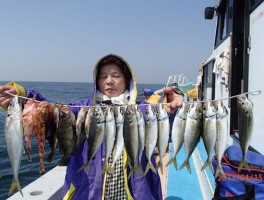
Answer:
(254, 93)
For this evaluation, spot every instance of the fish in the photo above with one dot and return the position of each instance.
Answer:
(110, 134)
(42, 119)
(66, 133)
(87, 122)
(28, 126)
(141, 131)
(221, 135)
(192, 131)
(96, 134)
(119, 142)
(14, 140)
(163, 133)
(80, 124)
(151, 136)
(53, 142)
(245, 126)
(177, 132)
(209, 132)
(52, 138)
(130, 130)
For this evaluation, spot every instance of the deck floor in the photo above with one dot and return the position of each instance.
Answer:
(181, 185)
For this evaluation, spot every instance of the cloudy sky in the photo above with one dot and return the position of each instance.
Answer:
(62, 40)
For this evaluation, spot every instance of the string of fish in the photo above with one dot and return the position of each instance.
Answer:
(57, 124)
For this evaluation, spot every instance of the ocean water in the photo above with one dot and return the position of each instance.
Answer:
(55, 92)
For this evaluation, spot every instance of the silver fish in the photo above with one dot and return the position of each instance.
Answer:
(66, 133)
(151, 136)
(87, 122)
(110, 134)
(177, 132)
(131, 139)
(221, 135)
(163, 133)
(192, 132)
(209, 132)
(96, 133)
(141, 132)
(245, 126)
(119, 143)
(14, 140)
(80, 123)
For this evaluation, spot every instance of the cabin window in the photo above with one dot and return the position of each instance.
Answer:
(224, 22)
(208, 81)
(208, 74)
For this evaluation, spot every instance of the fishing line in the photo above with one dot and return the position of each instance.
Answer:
(254, 93)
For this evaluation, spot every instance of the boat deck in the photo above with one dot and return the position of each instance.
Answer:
(46, 187)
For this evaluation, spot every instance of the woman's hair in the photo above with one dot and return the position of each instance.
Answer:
(111, 59)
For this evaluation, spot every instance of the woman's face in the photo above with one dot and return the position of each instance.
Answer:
(111, 81)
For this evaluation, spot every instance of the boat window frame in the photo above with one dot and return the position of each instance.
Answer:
(224, 21)
(208, 79)
(253, 4)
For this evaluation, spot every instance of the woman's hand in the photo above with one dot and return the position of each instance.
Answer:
(4, 97)
(174, 100)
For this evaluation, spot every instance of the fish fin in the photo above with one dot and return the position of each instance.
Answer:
(50, 156)
(29, 156)
(138, 169)
(105, 169)
(41, 166)
(130, 174)
(207, 163)
(173, 159)
(150, 166)
(64, 161)
(220, 170)
(111, 169)
(243, 163)
(187, 164)
(84, 166)
(160, 165)
(133, 169)
(15, 184)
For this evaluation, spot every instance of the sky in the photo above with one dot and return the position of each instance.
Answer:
(62, 40)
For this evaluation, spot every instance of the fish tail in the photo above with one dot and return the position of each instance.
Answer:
(139, 170)
(50, 156)
(187, 164)
(243, 163)
(130, 174)
(219, 170)
(160, 165)
(134, 169)
(64, 161)
(105, 169)
(15, 184)
(29, 156)
(84, 166)
(111, 169)
(207, 163)
(41, 166)
(150, 166)
(173, 159)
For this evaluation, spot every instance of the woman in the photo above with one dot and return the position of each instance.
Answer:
(114, 84)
